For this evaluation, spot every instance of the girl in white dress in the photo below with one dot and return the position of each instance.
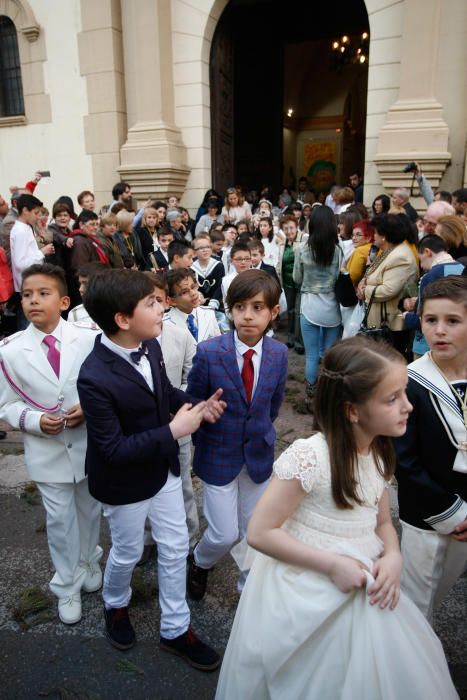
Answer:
(321, 616)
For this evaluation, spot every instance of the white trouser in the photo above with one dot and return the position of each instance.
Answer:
(228, 510)
(432, 565)
(191, 510)
(73, 525)
(166, 514)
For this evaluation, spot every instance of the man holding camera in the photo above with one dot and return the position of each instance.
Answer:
(400, 198)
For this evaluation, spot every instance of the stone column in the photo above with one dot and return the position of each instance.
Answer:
(415, 128)
(153, 159)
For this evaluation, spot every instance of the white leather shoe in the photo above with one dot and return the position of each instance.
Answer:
(93, 579)
(69, 609)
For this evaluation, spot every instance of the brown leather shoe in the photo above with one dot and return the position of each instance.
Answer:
(196, 580)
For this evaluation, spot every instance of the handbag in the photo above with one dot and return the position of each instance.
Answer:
(381, 332)
(343, 288)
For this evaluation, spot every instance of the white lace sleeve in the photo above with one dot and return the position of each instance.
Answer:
(299, 461)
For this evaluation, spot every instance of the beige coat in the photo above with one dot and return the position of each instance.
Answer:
(390, 278)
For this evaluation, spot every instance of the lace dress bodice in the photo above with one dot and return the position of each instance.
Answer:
(317, 521)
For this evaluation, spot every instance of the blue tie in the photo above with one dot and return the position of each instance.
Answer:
(190, 322)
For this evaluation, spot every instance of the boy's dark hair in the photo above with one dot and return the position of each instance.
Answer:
(250, 283)
(433, 243)
(91, 268)
(444, 196)
(216, 236)
(176, 276)
(54, 271)
(119, 189)
(452, 287)
(255, 244)
(159, 280)
(86, 215)
(461, 195)
(226, 227)
(83, 194)
(115, 291)
(179, 248)
(239, 248)
(129, 261)
(165, 231)
(27, 201)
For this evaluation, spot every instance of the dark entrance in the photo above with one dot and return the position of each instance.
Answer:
(267, 54)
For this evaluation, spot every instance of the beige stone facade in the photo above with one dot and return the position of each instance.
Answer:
(120, 89)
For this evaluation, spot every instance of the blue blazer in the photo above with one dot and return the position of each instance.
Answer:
(245, 434)
(130, 446)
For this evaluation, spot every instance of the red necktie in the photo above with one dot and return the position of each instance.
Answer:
(248, 373)
(53, 354)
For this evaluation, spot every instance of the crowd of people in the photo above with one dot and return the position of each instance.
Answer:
(133, 333)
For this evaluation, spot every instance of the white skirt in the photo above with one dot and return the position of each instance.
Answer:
(296, 636)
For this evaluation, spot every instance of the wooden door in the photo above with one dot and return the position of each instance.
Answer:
(222, 108)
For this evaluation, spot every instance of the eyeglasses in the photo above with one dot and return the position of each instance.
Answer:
(202, 247)
(241, 260)
(186, 293)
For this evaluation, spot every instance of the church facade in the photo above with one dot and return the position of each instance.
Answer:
(121, 89)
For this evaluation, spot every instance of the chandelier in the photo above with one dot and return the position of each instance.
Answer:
(349, 49)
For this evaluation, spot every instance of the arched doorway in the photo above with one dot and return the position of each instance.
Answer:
(282, 98)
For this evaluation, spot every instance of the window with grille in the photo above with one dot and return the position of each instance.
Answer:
(11, 86)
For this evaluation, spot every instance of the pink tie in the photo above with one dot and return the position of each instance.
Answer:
(53, 354)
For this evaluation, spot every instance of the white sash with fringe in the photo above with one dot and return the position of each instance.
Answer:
(425, 372)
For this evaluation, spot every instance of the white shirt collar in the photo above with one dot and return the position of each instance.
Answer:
(40, 335)
(118, 349)
(241, 347)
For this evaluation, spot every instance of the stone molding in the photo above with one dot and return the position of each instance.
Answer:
(153, 159)
(21, 14)
(32, 54)
(16, 120)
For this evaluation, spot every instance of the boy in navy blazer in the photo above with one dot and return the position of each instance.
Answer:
(132, 455)
(234, 459)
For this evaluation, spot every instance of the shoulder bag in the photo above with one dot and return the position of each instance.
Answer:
(381, 332)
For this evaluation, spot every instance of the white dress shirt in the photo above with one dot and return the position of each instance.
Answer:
(143, 367)
(57, 334)
(240, 350)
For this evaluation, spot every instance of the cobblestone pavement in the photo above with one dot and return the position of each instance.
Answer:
(51, 660)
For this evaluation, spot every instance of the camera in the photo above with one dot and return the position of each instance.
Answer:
(410, 167)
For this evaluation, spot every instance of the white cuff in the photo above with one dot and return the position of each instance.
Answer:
(32, 423)
(444, 523)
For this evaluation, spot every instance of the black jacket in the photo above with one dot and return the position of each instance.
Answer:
(130, 446)
(428, 486)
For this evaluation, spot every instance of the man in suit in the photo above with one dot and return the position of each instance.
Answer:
(38, 396)
(303, 194)
(185, 310)
(135, 417)
(234, 458)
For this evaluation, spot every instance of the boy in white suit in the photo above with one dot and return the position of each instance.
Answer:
(185, 311)
(38, 396)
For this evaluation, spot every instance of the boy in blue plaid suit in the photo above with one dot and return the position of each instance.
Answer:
(234, 458)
